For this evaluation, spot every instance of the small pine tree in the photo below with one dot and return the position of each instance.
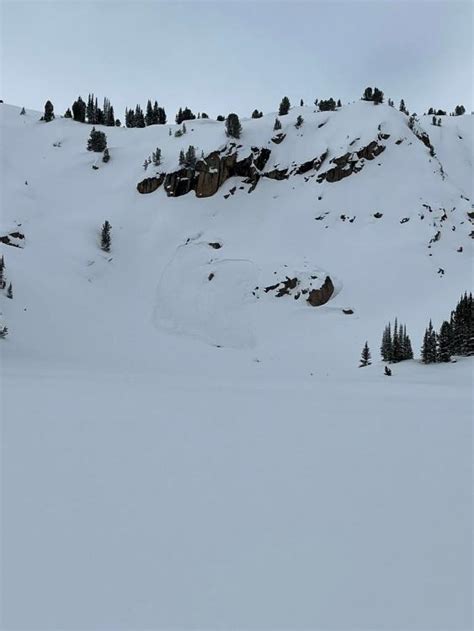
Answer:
(67, 113)
(284, 107)
(233, 127)
(387, 371)
(105, 238)
(156, 157)
(10, 291)
(402, 107)
(365, 356)
(368, 94)
(434, 121)
(377, 96)
(182, 158)
(79, 110)
(3, 331)
(48, 112)
(277, 124)
(299, 121)
(220, 118)
(339, 104)
(257, 114)
(97, 141)
(301, 103)
(23, 111)
(396, 343)
(106, 156)
(190, 157)
(2, 273)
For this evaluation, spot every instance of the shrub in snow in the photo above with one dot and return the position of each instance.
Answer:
(106, 156)
(10, 291)
(3, 331)
(299, 121)
(220, 118)
(105, 238)
(277, 124)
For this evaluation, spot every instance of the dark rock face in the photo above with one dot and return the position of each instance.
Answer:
(278, 138)
(150, 184)
(318, 297)
(277, 174)
(315, 164)
(15, 239)
(350, 163)
(209, 174)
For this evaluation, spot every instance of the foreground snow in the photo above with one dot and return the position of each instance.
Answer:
(140, 501)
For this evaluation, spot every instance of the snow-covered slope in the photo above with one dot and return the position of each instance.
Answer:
(184, 449)
(74, 302)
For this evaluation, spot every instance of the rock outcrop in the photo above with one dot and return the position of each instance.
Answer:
(318, 297)
(150, 184)
(350, 163)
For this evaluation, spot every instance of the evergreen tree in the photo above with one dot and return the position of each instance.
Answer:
(365, 356)
(220, 118)
(149, 113)
(387, 371)
(99, 116)
(386, 346)
(139, 118)
(79, 110)
(130, 118)
(257, 114)
(190, 157)
(377, 96)
(284, 106)
(277, 124)
(97, 141)
(10, 291)
(390, 102)
(204, 115)
(445, 341)
(339, 104)
(430, 111)
(459, 110)
(403, 108)
(368, 94)
(156, 157)
(429, 348)
(434, 121)
(23, 111)
(299, 121)
(396, 343)
(110, 119)
(48, 112)
(3, 331)
(91, 110)
(182, 158)
(68, 114)
(301, 103)
(105, 238)
(106, 156)
(2, 273)
(233, 127)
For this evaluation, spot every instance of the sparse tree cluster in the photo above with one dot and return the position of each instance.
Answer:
(375, 95)
(184, 115)
(396, 344)
(188, 160)
(402, 107)
(328, 105)
(455, 337)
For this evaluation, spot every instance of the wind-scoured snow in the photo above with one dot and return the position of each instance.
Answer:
(182, 449)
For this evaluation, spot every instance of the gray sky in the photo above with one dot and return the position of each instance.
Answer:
(225, 56)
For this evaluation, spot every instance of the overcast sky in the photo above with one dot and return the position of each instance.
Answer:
(225, 56)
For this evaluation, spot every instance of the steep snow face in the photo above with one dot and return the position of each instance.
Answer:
(370, 232)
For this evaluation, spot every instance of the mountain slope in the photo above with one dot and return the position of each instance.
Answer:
(183, 449)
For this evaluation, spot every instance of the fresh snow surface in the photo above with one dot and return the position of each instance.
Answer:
(181, 452)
